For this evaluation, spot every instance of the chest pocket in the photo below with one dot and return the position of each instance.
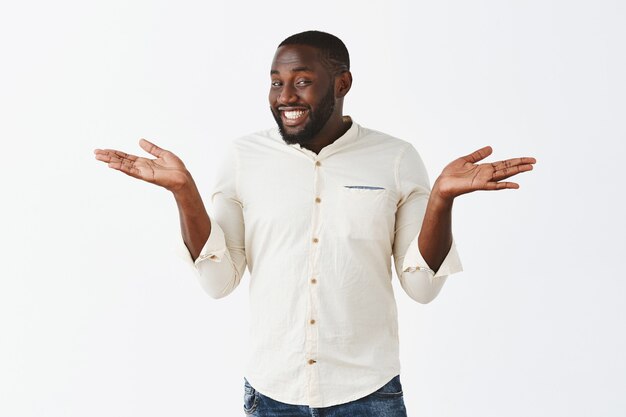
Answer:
(366, 213)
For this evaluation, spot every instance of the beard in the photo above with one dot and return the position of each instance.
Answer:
(317, 120)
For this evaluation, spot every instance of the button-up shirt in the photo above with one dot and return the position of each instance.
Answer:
(317, 233)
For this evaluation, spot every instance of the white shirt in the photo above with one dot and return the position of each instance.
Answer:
(317, 233)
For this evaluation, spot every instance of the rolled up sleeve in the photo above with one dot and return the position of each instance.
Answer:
(222, 260)
(418, 280)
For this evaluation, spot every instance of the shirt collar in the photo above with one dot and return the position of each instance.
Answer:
(341, 142)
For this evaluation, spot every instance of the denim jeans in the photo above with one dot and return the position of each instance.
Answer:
(385, 402)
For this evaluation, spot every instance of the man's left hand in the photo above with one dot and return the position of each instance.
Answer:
(465, 175)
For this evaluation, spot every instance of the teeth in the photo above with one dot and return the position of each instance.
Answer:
(293, 114)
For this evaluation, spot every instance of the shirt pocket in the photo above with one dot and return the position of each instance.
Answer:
(365, 213)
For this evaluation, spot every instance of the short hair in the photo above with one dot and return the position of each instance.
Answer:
(333, 51)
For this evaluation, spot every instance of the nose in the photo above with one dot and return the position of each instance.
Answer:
(287, 95)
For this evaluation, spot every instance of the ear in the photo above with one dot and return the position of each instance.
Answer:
(343, 82)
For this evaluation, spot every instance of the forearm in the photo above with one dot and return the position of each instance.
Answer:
(435, 237)
(195, 224)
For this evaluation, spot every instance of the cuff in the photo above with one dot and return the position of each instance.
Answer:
(213, 250)
(414, 261)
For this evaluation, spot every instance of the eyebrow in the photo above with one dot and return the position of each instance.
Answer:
(296, 69)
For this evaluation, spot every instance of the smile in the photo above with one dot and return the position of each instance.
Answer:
(293, 114)
(293, 117)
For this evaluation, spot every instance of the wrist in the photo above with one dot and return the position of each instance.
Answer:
(185, 187)
(439, 197)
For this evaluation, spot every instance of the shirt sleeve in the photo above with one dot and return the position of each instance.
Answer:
(418, 280)
(222, 260)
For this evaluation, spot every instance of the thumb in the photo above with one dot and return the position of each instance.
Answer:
(151, 148)
(478, 155)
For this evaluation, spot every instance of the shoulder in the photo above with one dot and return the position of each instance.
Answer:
(259, 139)
(384, 139)
(266, 135)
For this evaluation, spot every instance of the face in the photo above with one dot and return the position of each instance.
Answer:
(302, 93)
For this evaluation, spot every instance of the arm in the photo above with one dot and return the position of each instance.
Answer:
(169, 172)
(424, 250)
(195, 225)
(206, 246)
(417, 279)
(435, 238)
(462, 176)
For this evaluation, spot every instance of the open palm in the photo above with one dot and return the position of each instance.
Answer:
(167, 170)
(464, 175)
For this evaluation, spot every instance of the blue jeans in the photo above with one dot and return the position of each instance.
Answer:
(384, 402)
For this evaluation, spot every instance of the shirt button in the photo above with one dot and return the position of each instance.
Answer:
(318, 163)
(312, 361)
(318, 200)
(315, 240)
(312, 321)
(313, 281)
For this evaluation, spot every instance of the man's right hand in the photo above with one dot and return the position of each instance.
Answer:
(167, 170)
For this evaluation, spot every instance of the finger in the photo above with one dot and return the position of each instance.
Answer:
(109, 155)
(513, 162)
(127, 169)
(102, 155)
(106, 156)
(509, 172)
(491, 186)
(479, 155)
(151, 148)
(115, 162)
(125, 156)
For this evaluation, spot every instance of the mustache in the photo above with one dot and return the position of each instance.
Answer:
(305, 106)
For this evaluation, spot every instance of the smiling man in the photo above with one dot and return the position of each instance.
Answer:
(316, 209)
(307, 90)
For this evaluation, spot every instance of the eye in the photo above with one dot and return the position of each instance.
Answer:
(301, 83)
(276, 83)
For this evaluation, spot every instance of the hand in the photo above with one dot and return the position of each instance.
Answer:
(167, 170)
(464, 175)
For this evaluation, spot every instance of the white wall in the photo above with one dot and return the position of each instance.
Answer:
(97, 316)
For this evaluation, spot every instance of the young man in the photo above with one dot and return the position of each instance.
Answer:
(316, 208)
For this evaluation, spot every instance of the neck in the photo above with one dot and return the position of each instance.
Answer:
(334, 128)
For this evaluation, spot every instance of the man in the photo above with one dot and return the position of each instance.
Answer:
(315, 209)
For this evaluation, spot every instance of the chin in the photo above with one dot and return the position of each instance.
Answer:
(300, 136)
(293, 138)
